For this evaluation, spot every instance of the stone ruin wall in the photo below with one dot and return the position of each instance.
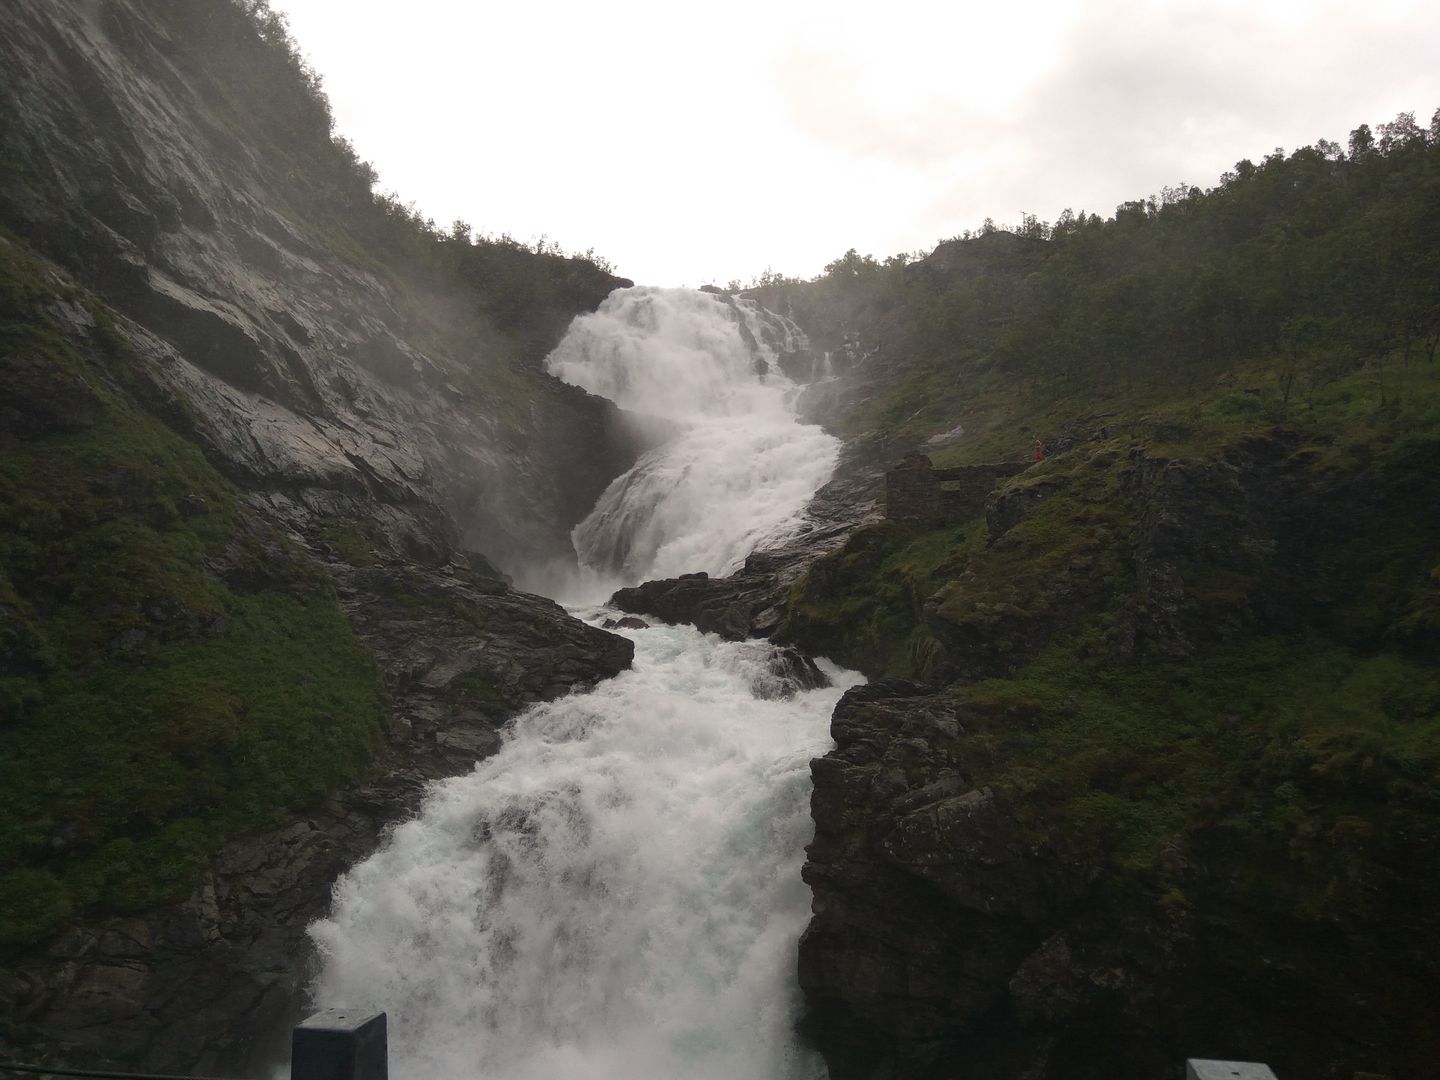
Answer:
(917, 491)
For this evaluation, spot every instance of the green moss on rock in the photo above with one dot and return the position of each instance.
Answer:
(862, 605)
(172, 673)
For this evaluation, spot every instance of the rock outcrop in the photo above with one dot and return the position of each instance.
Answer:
(925, 887)
(963, 928)
(752, 601)
(917, 491)
(1158, 845)
(154, 150)
(215, 263)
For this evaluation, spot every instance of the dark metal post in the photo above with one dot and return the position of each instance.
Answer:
(340, 1044)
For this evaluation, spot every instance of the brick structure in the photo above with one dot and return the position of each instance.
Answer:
(917, 491)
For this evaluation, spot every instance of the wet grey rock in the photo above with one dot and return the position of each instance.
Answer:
(134, 149)
(446, 638)
(927, 894)
(788, 671)
(629, 622)
(751, 602)
(150, 159)
(723, 606)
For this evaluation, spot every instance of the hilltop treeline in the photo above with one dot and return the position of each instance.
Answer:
(1322, 254)
(1322, 258)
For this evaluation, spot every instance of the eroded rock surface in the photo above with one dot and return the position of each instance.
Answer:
(752, 601)
(367, 409)
(963, 927)
(151, 150)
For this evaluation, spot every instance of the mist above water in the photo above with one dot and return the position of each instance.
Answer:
(739, 473)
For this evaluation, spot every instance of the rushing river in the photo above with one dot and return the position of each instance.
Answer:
(616, 894)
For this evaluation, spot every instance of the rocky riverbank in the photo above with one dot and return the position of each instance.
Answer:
(1161, 791)
(753, 601)
(264, 440)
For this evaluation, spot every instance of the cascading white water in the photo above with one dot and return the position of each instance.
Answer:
(616, 894)
(739, 472)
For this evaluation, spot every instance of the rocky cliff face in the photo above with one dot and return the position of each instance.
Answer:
(958, 931)
(152, 149)
(187, 252)
(1144, 809)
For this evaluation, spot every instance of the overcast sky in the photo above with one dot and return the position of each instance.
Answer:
(696, 142)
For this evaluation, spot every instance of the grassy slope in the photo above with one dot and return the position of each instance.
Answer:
(171, 671)
(1273, 786)
(148, 709)
(1132, 740)
(1209, 620)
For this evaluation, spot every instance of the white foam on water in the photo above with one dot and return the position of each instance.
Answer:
(738, 475)
(615, 895)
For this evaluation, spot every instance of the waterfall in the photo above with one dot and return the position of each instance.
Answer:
(739, 472)
(616, 893)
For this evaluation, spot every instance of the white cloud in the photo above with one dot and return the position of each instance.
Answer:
(701, 142)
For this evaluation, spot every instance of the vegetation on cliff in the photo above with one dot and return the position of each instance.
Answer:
(1194, 649)
(1298, 301)
(171, 670)
(1239, 393)
(525, 291)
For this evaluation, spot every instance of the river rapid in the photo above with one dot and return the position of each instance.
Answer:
(616, 893)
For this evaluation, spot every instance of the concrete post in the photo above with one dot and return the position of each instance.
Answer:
(340, 1044)
(1202, 1069)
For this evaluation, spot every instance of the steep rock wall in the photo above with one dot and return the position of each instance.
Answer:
(179, 225)
(150, 148)
(1164, 796)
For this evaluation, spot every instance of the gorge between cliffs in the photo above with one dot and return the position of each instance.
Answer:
(1012, 661)
(616, 892)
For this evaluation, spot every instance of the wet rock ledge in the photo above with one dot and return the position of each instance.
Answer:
(201, 985)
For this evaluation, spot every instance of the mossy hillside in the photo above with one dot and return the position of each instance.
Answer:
(865, 605)
(1292, 739)
(862, 605)
(148, 709)
(1306, 772)
(1193, 653)
(351, 543)
(1363, 463)
(1352, 403)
